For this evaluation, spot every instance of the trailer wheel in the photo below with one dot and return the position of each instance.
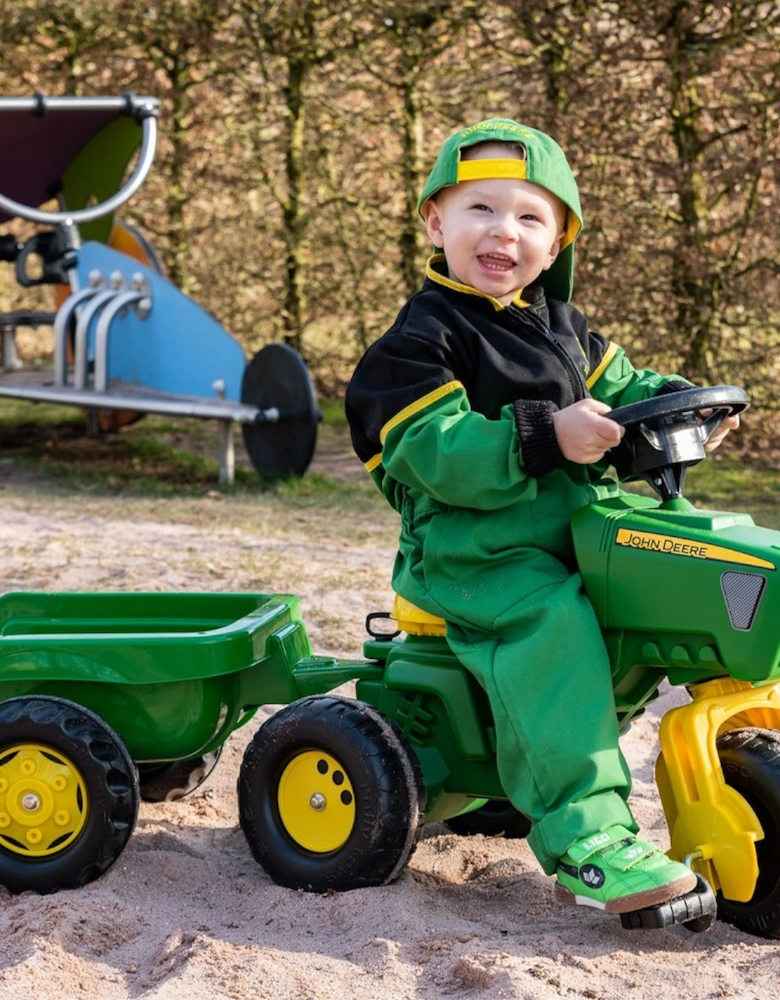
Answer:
(68, 795)
(497, 818)
(173, 780)
(751, 765)
(330, 796)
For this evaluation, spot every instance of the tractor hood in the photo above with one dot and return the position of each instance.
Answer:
(697, 592)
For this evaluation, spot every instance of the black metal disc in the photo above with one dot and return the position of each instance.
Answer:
(277, 378)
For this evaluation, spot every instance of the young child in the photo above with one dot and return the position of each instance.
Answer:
(480, 415)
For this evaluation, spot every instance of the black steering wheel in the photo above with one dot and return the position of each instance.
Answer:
(666, 434)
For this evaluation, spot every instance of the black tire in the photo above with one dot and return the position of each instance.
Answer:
(172, 781)
(497, 818)
(370, 777)
(97, 810)
(751, 766)
(277, 378)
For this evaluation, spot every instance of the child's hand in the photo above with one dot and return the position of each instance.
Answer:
(583, 433)
(729, 424)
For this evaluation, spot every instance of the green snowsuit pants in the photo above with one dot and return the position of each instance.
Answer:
(505, 581)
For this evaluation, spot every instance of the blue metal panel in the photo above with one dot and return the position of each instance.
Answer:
(178, 348)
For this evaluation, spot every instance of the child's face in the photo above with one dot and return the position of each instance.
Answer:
(497, 235)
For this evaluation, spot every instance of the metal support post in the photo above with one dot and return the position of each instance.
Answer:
(11, 360)
(227, 452)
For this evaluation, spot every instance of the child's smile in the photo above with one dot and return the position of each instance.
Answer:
(496, 262)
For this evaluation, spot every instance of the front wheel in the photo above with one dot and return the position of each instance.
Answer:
(330, 796)
(751, 766)
(68, 795)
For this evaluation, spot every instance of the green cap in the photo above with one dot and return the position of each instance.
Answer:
(545, 164)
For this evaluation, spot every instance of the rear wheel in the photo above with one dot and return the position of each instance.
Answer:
(330, 796)
(751, 765)
(496, 818)
(172, 781)
(68, 795)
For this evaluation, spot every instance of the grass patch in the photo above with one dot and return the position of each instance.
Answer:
(315, 490)
(136, 463)
(724, 483)
(20, 412)
(162, 456)
(333, 415)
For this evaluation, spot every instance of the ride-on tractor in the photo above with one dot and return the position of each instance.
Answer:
(99, 692)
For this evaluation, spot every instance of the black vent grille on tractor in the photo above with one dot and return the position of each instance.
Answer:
(742, 592)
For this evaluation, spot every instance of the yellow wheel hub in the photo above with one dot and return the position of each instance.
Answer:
(317, 802)
(43, 800)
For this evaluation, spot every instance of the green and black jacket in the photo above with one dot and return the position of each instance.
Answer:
(456, 399)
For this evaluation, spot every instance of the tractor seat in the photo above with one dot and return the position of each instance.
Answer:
(415, 621)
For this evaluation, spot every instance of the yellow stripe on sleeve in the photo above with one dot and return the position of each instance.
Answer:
(417, 405)
(372, 463)
(597, 372)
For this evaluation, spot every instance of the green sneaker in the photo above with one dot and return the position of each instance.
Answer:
(615, 872)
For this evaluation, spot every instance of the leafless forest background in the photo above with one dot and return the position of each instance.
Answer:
(296, 135)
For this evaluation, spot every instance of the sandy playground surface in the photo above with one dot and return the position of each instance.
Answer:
(186, 913)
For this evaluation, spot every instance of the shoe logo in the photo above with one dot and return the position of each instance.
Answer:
(597, 841)
(592, 876)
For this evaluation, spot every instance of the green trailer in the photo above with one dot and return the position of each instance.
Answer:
(110, 698)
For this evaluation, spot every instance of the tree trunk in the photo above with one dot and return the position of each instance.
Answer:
(695, 280)
(178, 261)
(293, 316)
(409, 242)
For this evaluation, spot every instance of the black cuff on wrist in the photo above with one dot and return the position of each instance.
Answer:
(536, 430)
(676, 385)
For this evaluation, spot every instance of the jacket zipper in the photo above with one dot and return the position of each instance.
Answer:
(534, 321)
